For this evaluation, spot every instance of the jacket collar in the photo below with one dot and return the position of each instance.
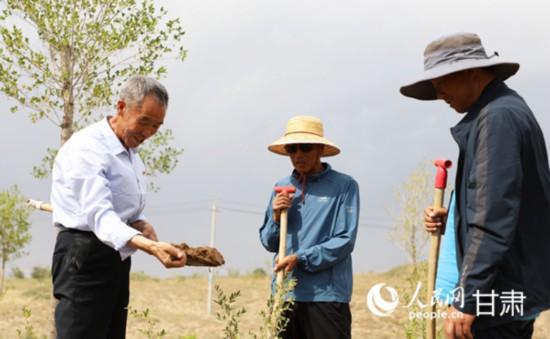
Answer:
(461, 130)
(492, 91)
(317, 176)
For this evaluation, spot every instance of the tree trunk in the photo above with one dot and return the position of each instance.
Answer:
(67, 130)
(2, 275)
(68, 92)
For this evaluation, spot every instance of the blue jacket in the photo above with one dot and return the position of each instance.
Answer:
(322, 228)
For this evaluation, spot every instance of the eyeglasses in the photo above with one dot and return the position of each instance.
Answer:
(293, 148)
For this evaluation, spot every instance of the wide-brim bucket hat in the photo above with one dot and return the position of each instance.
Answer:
(304, 130)
(454, 53)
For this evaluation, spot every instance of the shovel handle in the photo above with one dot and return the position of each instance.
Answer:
(282, 244)
(435, 241)
(40, 205)
(283, 231)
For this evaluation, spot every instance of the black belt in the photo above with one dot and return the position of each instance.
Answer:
(72, 230)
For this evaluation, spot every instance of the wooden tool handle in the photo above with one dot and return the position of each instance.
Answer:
(435, 241)
(282, 243)
(40, 205)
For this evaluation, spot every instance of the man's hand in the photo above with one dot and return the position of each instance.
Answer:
(434, 219)
(288, 263)
(167, 254)
(282, 201)
(145, 228)
(458, 325)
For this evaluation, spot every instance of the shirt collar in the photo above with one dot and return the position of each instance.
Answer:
(114, 145)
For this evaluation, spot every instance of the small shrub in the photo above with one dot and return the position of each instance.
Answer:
(17, 273)
(274, 317)
(228, 312)
(41, 272)
(149, 331)
(414, 328)
(258, 273)
(28, 331)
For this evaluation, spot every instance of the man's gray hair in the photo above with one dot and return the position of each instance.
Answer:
(138, 87)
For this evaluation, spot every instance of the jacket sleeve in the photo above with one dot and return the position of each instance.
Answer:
(342, 241)
(493, 203)
(269, 231)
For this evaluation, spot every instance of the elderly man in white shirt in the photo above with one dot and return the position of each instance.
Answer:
(98, 197)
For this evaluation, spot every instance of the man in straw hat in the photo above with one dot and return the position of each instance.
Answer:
(502, 192)
(322, 228)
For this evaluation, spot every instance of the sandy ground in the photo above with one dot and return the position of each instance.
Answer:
(179, 305)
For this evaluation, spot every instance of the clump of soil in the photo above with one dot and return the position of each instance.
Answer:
(201, 256)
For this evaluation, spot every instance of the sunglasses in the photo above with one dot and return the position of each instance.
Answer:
(293, 148)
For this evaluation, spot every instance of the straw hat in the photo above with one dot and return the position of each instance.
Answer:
(451, 54)
(304, 130)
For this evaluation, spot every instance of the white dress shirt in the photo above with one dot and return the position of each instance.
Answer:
(98, 186)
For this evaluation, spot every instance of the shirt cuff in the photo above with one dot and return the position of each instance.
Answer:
(141, 216)
(469, 306)
(272, 221)
(124, 235)
(114, 233)
(302, 258)
(125, 252)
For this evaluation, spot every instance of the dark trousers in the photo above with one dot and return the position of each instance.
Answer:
(318, 320)
(92, 286)
(520, 329)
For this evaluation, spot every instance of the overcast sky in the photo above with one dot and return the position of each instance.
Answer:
(254, 64)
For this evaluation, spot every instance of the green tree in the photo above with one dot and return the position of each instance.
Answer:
(413, 196)
(14, 227)
(64, 60)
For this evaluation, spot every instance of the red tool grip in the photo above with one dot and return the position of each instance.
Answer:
(287, 189)
(441, 174)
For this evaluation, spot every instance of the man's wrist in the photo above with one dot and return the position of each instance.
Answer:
(466, 307)
(138, 225)
(276, 217)
(140, 242)
(300, 256)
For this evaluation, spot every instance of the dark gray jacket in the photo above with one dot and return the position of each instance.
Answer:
(503, 205)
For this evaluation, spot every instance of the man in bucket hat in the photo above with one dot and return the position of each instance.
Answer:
(502, 191)
(322, 227)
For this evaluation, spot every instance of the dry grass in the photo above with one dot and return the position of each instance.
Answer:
(179, 304)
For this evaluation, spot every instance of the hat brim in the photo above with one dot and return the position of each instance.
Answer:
(423, 89)
(278, 146)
